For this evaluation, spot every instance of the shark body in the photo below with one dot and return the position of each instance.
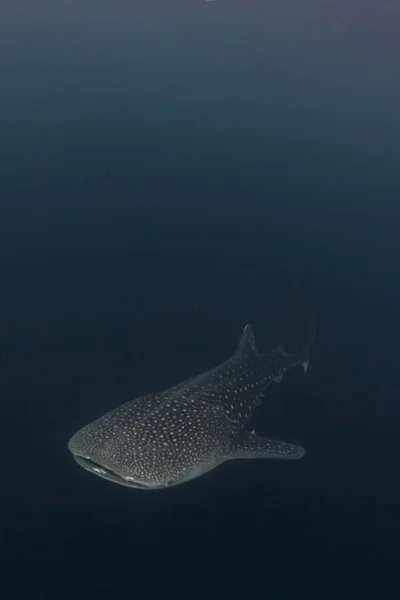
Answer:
(167, 438)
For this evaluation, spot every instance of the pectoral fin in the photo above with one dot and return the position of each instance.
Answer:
(250, 445)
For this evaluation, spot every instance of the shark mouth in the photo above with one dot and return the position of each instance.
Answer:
(98, 469)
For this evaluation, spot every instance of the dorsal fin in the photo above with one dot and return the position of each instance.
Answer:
(247, 344)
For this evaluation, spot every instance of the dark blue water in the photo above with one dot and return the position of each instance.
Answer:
(171, 171)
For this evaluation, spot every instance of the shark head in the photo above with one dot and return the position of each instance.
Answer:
(152, 442)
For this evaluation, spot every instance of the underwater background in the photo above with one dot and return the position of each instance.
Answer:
(170, 171)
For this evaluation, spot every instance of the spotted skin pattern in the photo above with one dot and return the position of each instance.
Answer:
(165, 439)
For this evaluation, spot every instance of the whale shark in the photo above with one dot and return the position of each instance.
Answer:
(170, 437)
